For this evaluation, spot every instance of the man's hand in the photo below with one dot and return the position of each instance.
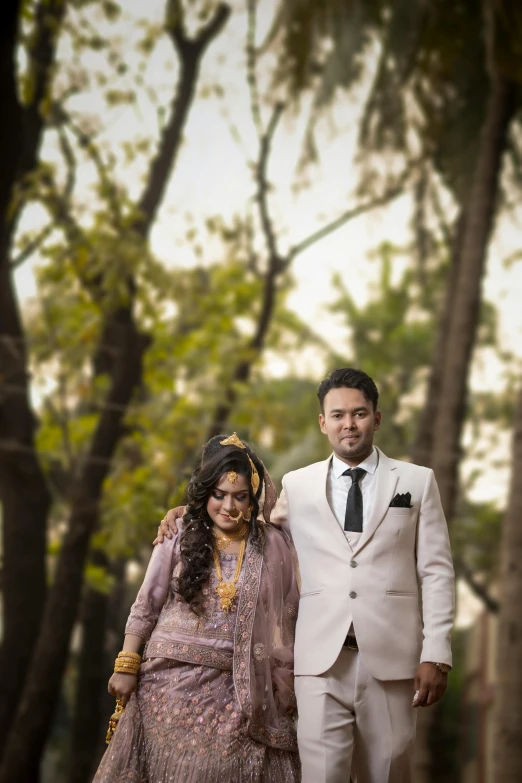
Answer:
(430, 684)
(168, 524)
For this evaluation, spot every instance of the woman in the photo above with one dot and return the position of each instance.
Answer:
(213, 699)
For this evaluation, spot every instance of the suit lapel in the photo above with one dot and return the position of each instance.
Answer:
(321, 501)
(385, 483)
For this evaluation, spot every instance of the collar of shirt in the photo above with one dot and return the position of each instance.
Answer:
(369, 465)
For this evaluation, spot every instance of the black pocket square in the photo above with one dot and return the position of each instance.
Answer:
(401, 501)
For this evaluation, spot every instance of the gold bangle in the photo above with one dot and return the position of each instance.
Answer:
(122, 665)
(131, 655)
(127, 662)
(123, 662)
(126, 670)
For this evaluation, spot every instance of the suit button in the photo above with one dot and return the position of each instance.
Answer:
(353, 564)
(353, 595)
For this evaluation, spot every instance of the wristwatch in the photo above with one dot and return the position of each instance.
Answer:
(442, 667)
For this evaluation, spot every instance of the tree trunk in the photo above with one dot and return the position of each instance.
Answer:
(31, 725)
(480, 214)
(103, 626)
(24, 494)
(441, 423)
(25, 505)
(508, 690)
(11, 125)
(423, 764)
(91, 682)
(422, 449)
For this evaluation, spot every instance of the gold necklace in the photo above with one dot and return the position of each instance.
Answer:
(223, 540)
(227, 591)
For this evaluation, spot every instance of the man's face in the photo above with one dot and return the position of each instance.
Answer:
(349, 421)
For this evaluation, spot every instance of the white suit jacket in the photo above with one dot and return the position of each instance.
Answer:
(396, 585)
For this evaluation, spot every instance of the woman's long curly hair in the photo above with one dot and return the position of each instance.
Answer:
(197, 537)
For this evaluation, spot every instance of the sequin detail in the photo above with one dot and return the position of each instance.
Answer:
(190, 653)
(176, 617)
(185, 725)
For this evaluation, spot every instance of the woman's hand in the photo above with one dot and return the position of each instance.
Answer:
(168, 523)
(122, 686)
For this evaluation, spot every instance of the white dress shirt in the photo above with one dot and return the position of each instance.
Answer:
(338, 486)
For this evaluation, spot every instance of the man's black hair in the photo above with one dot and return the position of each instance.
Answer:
(349, 378)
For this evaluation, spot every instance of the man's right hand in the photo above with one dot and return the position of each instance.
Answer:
(168, 524)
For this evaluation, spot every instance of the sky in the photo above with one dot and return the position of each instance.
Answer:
(213, 176)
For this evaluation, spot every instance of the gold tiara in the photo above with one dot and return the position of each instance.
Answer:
(233, 440)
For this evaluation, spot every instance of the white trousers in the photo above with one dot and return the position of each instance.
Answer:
(352, 724)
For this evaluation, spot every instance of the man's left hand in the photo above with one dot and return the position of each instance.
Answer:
(430, 683)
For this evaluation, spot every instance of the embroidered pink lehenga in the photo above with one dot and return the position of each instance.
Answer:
(215, 692)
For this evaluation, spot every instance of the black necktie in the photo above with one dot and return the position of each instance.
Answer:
(353, 518)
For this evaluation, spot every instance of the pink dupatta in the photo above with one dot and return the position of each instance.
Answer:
(264, 639)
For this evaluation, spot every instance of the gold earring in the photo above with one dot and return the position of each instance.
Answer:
(250, 509)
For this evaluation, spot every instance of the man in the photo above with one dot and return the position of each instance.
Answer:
(377, 594)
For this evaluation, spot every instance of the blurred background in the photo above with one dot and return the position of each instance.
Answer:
(205, 207)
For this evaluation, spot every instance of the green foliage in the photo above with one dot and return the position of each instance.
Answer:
(391, 338)
(201, 319)
(188, 367)
(430, 83)
(477, 536)
(97, 578)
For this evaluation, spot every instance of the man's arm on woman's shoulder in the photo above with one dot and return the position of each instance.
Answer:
(279, 515)
(169, 525)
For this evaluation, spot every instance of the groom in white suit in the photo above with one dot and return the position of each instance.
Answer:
(377, 594)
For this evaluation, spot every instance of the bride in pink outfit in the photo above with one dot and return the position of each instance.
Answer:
(211, 697)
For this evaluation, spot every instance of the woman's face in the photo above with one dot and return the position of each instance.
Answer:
(226, 500)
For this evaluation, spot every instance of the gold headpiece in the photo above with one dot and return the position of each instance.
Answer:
(255, 476)
(233, 440)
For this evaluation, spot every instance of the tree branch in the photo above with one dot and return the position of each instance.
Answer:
(190, 52)
(476, 587)
(255, 107)
(389, 195)
(263, 186)
(39, 240)
(87, 143)
(32, 247)
(70, 161)
(48, 21)
(275, 267)
(444, 226)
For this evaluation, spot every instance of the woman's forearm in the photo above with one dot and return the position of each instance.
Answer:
(132, 643)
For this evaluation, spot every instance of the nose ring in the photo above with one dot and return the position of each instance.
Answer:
(238, 518)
